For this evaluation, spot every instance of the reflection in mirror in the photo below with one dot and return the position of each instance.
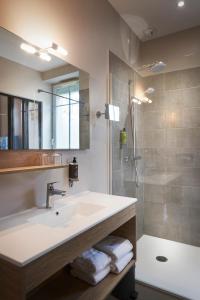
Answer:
(43, 104)
(69, 137)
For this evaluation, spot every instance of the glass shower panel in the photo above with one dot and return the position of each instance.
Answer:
(124, 181)
(123, 165)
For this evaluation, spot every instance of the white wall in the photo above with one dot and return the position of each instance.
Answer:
(87, 29)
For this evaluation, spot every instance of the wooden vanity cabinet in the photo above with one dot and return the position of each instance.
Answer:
(47, 278)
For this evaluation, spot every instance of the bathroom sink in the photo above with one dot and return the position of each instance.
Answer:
(70, 216)
(61, 216)
(54, 217)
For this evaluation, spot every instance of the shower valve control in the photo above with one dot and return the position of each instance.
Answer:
(126, 159)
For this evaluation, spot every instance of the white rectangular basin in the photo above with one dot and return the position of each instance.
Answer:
(54, 217)
(62, 216)
(30, 234)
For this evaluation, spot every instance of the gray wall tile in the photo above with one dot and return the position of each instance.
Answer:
(171, 157)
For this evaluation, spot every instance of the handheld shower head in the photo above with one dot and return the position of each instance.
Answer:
(149, 91)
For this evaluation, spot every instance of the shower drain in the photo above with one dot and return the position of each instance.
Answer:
(161, 258)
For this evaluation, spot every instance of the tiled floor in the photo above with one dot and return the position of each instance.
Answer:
(147, 293)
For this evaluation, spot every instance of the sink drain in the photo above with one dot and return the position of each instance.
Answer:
(161, 258)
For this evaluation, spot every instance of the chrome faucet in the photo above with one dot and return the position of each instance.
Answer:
(51, 191)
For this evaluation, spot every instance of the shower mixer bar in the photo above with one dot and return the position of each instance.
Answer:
(132, 158)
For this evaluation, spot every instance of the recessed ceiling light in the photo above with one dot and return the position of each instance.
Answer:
(181, 3)
(28, 48)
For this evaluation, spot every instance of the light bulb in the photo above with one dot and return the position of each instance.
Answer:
(134, 100)
(181, 3)
(28, 48)
(62, 51)
(150, 101)
(146, 99)
(45, 56)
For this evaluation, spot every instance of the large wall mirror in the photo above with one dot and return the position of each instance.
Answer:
(44, 103)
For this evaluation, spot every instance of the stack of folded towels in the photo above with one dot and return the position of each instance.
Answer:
(111, 254)
(120, 251)
(92, 266)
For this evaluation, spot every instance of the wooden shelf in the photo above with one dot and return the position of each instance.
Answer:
(30, 169)
(66, 287)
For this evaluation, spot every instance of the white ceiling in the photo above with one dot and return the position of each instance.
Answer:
(162, 16)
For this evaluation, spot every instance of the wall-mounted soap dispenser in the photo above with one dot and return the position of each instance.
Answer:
(73, 172)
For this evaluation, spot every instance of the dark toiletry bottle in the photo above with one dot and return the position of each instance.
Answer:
(73, 169)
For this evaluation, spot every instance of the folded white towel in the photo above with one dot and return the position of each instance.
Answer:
(92, 279)
(91, 261)
(120, 264)
(115, 247)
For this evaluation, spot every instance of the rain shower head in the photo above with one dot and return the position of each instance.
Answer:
(158, 67)
(155, 67)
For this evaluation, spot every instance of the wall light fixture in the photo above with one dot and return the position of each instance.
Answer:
(44, 53)
(28, 48)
